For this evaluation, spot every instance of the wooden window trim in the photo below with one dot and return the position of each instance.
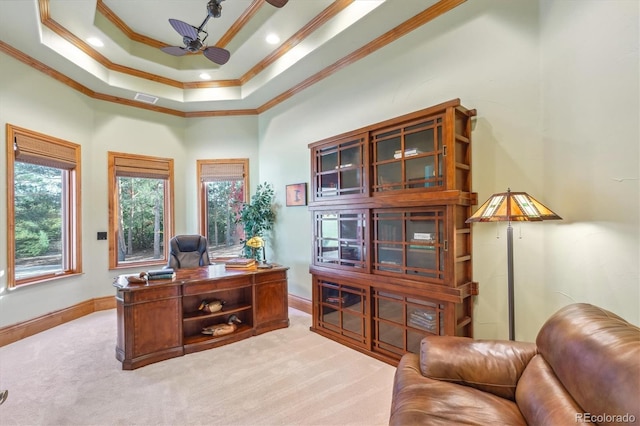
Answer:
(134, 165)
(202, 192)
(38, 148)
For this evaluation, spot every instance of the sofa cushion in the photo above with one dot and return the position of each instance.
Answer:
(420, 400)
(488, 365)
(541, 397)
(595, 354)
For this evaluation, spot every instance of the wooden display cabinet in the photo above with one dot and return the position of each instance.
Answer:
(394, 241)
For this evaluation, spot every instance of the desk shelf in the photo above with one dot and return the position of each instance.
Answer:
(197, 343)
(227, 309)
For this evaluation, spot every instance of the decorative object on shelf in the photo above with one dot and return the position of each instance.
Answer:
(222, 329)
(138, 279)
(257, 217)
(257, 243)
(507, 207)
(211, 307)
(297, 194)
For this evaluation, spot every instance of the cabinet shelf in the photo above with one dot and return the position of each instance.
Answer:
(226, 310)
(200, 338)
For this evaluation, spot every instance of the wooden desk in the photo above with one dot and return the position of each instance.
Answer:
(160, 320)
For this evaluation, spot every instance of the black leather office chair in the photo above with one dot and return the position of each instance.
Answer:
(188, 251)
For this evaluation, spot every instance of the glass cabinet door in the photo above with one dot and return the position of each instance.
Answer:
(409, 242)
(340, 238)
(409, 156)
(343, 310)
(339, 169)
(400, 322)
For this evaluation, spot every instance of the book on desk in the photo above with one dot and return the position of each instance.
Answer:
(161, 274)
(239, 263)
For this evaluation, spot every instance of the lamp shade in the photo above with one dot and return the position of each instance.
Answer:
(512, 206)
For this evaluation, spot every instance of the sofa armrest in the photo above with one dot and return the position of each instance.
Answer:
(493, 366)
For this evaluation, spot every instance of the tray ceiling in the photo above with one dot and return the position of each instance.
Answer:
(317, 39)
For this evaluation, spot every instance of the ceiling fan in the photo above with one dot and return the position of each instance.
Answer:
(191, 35)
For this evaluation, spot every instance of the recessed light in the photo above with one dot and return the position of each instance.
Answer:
(273, 39)
(205, 76)
(95, 41)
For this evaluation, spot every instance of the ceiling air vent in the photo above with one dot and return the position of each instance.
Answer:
(147, 99)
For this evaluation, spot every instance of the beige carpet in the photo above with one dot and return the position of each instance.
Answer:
(69, 376)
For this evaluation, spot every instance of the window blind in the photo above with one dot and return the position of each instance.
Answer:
(220, 172)
(61, 155)
(153, 168)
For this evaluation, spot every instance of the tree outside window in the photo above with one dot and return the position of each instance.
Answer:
(223, 186)
(38, 220)
(140, 209)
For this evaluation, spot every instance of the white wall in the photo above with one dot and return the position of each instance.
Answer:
(555, 85)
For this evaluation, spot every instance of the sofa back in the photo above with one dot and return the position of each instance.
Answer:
(587, 370)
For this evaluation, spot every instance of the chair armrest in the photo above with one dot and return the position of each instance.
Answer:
(489, 365)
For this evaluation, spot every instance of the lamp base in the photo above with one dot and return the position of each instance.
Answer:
(264, 265)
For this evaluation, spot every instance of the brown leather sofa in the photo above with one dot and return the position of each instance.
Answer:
(583, 368)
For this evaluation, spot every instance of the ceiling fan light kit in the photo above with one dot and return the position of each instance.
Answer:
(191, 35)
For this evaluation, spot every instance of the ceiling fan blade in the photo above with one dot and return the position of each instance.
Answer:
(184, 29)
(174, 50)
(216, 54)
(277, 3)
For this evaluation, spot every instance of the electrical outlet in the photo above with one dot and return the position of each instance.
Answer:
(102, 235)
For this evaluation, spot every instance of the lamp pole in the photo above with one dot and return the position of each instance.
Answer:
(510, 287)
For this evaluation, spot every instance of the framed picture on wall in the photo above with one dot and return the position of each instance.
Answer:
(297, 194)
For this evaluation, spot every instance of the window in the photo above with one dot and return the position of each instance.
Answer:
(140, 209)
(223, 185)
(43, 207)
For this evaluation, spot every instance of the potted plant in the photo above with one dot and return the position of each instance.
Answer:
(257, 217)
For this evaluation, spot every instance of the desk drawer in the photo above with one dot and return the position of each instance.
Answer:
(148, 294)
(270, 276)
(189, 289)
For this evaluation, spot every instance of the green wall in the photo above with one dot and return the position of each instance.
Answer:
(557, 117)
